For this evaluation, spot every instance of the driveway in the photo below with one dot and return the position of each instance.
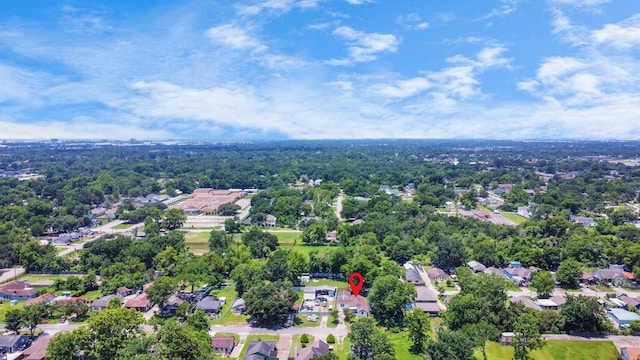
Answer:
(284, 346)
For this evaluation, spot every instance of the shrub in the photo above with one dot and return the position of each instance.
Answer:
(331, 339)
(304, 339)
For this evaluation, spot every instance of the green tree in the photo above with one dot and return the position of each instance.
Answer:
(450, 254)
(480, 333)
(569, 273)
(111, 328)
(543, 282)
(219, 241)
(260, 242)
(198, 321)
(331, 339)
(174, 219)
(582, 314)
(389, 297)
(176, 341)
(315, 234)
(419, 325)
(66, 345)
(269, 303)
(115, 303)
(304, 339)
(450, 345)
(231, 226)
(161, 290)
(527, 337)
(246, 275)
(13, 320)
(368, 342)
(31, 317)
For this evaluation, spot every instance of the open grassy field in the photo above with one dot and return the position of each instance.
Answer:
(123, 226)
(251, 338)
(402, 344)
(6, 306)
(513, 217)
(197, 240)
(288, 237)
(559, 350)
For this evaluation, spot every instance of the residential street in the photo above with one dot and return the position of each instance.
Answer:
(10, 273)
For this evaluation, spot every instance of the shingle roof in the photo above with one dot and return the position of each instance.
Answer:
(208, 303)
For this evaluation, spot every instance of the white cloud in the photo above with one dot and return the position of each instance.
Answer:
(412, 21)
(359, 2)
(575, 35)
(581, 3)
(276, 6)
(617, 36)
(234, 37)
(508, 6)
(363, 46)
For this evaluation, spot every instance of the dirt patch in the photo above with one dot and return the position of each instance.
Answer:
(189, 243)
(286, 244)
(198, 251)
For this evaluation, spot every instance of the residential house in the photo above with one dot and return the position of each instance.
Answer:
(102, 303)
(38, 349)
(261, 350)
(494, 271)
(209, 305)
(97, 212)
(622, 318)
(524, 212)
(17, 290)
(238, 306)
(427, 301)
(140, 303)
(588, 278)
(12, 343)
(547, 304)
(223, 345)
(412, 276)
(518, 274)
(630, 301)
(437, 274)
(476, 266)
(331, 236)
(270, 221)
(525, 301)
(582, 220)
(171, 305)
(615, 276)
(319, 348)
(629, 353)
(42, 299)
(123, 291)
(357, 304)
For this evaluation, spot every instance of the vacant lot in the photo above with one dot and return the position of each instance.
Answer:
(559, 350)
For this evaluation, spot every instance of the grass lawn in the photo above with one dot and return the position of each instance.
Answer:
(342, 349)
(6, 306)
(559, 350)
(306, 249)
(32, 278)
(196, 240)
(301, 321)
(288, 236)
(251, 338)
(296, 343)
(513, 217)
(402, 344)
(122, 226)
(226, 315)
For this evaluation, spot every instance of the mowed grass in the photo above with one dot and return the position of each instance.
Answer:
(197, 240)
(288, 237)
(402, 345)
(558, 350)
(6, 306)
(123, 226)
(514, 217)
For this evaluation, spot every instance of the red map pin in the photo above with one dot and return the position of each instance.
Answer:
(355, 288)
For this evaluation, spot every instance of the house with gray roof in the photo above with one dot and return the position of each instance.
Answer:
(261, 350)
(12, 343)
(412, 276)
(209, 305)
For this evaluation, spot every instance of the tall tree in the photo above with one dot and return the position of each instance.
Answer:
(480, 333)
(111, 329)
(269, 302)
(582, 314)
(219, 241)
(368, 342)
(527, 336)
(419, 324)
(543, 282)
(450, 345)
(32, 316)
(161, 290)
(67, 345)
(174, 219)
(569, 274)
(389, 297)
(177, 341)
(13, 320)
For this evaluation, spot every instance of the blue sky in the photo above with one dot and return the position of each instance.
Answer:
(320, 69)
